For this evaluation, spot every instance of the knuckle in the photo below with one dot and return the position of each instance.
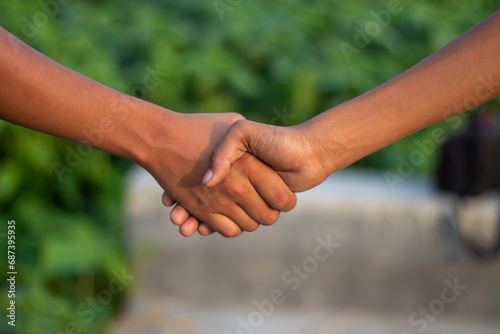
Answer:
(282, 200)
(239, 126)
(230, 231)
(251, 227)
(235, 189)
(235, 116)
(270, 218)
(292, 204)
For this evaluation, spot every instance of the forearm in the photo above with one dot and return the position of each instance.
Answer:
(40, 94)
(457, 78)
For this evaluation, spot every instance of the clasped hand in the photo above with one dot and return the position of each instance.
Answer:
(233, 185)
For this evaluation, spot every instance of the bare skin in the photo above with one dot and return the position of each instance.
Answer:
(457, 78)
(40, 94)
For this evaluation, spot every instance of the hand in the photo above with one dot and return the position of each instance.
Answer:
(250, 194)
(294, 152)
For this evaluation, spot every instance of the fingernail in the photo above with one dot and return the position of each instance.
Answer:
(208, 176)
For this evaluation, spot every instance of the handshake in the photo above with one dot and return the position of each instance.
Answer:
(230, 175)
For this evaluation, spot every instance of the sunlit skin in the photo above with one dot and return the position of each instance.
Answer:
(38, 93)
(457, 78)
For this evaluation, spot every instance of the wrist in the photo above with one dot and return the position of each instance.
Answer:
(148, 125)
(329, 146)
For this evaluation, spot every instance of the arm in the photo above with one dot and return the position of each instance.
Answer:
(40, 94)
(457, 78)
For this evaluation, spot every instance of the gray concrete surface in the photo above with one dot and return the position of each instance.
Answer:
(393, 258)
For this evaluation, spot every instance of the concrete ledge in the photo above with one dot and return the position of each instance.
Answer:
(393, 258)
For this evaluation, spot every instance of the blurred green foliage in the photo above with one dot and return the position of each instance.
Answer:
(276, 62)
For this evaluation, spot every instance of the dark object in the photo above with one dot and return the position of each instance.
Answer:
(469, 166)
(470, 161)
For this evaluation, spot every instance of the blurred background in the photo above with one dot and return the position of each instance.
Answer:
(277, 62)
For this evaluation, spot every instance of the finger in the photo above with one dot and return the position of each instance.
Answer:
(223, 225)
(244, 220)
(270, 185)
(204, 229)
(189, 227)
(241, 191)
(179, 215)
(230, 149)
(237, 216)
(167, 200)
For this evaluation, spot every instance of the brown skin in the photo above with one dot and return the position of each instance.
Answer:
(449, 82)
(40, 94)
(241, 197)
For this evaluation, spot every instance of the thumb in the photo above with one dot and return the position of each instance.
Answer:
(232, 147)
